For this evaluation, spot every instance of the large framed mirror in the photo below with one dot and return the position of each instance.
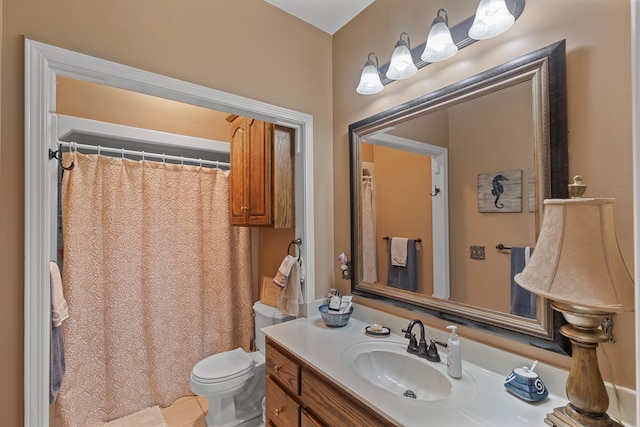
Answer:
(447, 196)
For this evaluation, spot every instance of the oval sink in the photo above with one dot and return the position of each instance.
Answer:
(402, 375)
(387, 366)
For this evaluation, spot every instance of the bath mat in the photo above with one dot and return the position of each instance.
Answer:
(149, 417)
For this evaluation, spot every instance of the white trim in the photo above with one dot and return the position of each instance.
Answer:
(439, 202)
(43, 63)
(68, 125)
(635, 119)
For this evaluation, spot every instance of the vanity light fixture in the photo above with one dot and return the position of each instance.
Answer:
(439, 45)
(578, 266)
(370, 78)
(492, 19)
(401, 65)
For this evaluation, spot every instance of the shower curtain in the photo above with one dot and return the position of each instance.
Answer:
(155, 280)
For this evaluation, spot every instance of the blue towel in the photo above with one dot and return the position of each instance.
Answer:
(406, 277)
(523, 302)
(56, 362)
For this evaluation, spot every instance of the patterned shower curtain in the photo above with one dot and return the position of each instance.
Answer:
(155, 280)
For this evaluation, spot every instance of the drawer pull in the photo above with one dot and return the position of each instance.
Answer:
(276, 369)
(277, 411)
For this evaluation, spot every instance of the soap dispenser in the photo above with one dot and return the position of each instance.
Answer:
(454, 359)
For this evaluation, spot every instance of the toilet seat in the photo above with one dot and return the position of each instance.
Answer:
(222, 367)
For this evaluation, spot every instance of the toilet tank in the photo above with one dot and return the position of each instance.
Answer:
(265, 315)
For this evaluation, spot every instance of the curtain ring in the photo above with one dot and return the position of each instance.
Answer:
(200, 160)
(98, 150)
(162, 158)
(122, 153)
(143, 155)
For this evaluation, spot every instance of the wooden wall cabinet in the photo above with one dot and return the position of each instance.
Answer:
(262, 173)
(298, 395)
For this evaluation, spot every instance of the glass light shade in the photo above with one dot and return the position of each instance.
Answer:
(439, 44)
(577, 260)
(370, 78)
(492, 18)
(369, 81)
(401, 65)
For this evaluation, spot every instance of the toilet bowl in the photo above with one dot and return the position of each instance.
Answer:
(233, 381)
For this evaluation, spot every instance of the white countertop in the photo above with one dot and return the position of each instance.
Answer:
(322, 347)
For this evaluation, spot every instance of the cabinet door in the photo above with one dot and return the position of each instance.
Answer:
(280, 410)
(238, 182)
(259, 172)
(334, 407)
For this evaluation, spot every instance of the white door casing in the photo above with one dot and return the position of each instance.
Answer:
(43, 63)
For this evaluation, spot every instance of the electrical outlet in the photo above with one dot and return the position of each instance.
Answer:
(476, 252)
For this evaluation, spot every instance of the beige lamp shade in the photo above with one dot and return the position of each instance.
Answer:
(577, 259)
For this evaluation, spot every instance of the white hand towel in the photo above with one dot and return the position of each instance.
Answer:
(291, 295)
(59, 309)
(283, 271)
(399, 251)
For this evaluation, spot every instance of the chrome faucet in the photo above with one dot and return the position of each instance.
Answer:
(419, 348)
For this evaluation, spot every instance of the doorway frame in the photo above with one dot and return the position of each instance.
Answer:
(43, 64)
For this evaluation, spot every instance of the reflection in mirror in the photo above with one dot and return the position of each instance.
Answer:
(440, 183)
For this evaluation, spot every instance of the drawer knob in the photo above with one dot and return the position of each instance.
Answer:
(277, 411)
(276, 369)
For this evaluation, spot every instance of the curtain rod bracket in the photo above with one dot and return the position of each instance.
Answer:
(58, 156)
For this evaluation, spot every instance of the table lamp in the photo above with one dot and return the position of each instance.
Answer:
(578, 266)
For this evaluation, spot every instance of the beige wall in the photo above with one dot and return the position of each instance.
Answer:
(400, 213)
(477, 147)
(112, 105)
(242, 47)
(599, 112)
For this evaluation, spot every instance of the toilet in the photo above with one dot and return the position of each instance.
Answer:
(234, 380)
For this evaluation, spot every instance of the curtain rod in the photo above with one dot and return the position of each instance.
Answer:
(143, 154)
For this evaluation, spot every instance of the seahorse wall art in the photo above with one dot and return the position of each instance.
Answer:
(500, 191)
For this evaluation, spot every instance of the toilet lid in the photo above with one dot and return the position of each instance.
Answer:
(223, 366)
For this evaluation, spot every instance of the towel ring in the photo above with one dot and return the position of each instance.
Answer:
(296, 242)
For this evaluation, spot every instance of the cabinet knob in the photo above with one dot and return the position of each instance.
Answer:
(277, 411)
(245, 208)
(276, 369)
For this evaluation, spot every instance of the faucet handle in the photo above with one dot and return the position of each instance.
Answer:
(432, 351)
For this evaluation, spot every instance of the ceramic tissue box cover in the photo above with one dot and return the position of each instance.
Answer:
(526, 384)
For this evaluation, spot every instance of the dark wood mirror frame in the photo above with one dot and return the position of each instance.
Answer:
(549, 64)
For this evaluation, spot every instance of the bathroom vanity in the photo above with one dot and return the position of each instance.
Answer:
(298, 395)
(322, 376)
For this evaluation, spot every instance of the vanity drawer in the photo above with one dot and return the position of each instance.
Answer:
(283, 369)
(335, 407)
(280, 410)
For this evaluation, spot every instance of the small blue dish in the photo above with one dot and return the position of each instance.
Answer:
(526, 385)
(334, 319)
